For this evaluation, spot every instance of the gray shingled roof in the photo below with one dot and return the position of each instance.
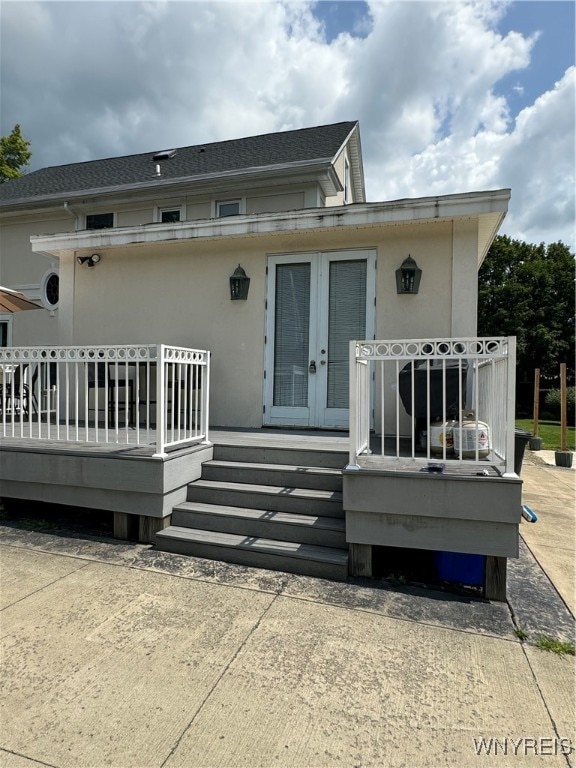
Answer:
(307, 144)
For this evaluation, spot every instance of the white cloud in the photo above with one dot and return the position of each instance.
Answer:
(91, 79)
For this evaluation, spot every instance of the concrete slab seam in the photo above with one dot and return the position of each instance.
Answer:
(44, 586)
(420, 622)
(132, 567)
(277, 593)
(544, 703)
(217, 681)
(31, 759)
(547, 577)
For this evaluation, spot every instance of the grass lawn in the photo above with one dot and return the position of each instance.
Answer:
(549, 431)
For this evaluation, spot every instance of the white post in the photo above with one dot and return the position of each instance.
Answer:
(160, 395)
(206, 399)
(353, 408)
(510, 404)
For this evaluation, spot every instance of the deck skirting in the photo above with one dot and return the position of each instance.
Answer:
(453, 513)
(146, 486)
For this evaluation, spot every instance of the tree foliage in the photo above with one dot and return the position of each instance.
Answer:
(14, 154)
(527, 291)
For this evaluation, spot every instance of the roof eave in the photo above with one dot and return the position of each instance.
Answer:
(492, 204)
(320, 166)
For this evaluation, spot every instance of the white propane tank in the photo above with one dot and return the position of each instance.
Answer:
(475, 436)
(441, 434)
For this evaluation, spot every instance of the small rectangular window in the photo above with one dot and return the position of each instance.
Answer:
(99, 221)
(228, 208)
(167, 216)
(4, 333)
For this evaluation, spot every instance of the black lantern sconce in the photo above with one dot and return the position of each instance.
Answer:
(408, 276)
(239, 284)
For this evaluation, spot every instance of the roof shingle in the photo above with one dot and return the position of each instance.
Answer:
(307, 144)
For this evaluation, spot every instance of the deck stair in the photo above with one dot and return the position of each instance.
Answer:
(273, 508)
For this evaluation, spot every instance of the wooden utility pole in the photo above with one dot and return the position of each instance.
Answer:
(536, 400)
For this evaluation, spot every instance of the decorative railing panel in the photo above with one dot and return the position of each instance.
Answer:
(121, 394)
(442, 400)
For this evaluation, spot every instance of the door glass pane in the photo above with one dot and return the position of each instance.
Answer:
(291, 335)
(346, 321)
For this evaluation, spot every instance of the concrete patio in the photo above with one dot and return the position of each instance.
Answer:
(117, 655)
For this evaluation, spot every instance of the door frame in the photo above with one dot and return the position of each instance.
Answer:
(319, 293)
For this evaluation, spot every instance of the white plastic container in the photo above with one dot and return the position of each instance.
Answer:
(442, 434)
(472, 439)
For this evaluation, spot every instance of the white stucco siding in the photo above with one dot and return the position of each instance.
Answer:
(170, 283)
(198, 209)
(428, 313)
(275, 203)
(179, 293)
(464, 278)
(22, 269)
(133, 217)
(19, 265)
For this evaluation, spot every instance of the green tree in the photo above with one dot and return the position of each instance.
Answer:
(14, 154)
(527, 291)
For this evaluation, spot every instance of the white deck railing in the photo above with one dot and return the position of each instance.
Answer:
(434, 400)
(122, 394)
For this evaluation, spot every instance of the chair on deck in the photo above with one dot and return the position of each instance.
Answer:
(100, 378)
(16, 393)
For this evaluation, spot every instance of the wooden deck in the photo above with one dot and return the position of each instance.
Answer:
(127, 447)
(290, 439)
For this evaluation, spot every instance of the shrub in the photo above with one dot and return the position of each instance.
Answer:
(553, 404)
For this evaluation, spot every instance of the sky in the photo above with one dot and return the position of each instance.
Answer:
(451, 96)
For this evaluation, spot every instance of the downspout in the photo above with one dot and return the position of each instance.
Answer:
(75, 216)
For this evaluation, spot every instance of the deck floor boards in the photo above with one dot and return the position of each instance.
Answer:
(320, 440)
(126, 445)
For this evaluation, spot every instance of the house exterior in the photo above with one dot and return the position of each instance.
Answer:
(140, 250)
(300, 219)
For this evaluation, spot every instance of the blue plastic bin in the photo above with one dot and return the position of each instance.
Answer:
(460, 567)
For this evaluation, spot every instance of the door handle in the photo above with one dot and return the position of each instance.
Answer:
(312, 366)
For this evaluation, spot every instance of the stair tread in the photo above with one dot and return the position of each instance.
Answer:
(295, 468)
(255, 544)
(331, 523)
(279, 490)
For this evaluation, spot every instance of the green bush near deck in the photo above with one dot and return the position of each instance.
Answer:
(552, 402)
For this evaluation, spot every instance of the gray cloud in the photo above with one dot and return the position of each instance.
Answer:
(95, 79)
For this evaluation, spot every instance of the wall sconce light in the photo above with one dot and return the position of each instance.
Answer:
(408, 276)
(239, 284)
(90, 260)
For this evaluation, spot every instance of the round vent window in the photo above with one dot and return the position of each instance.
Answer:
(51, 290)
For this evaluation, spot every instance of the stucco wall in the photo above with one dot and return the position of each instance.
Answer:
(21, 268)
(18, 265)
(273, 203)
(179, 293)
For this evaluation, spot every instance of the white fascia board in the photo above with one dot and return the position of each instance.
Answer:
(353, 143)
(308, 168)
(419, 210)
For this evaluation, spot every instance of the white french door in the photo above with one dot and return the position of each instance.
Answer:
(316, 303)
